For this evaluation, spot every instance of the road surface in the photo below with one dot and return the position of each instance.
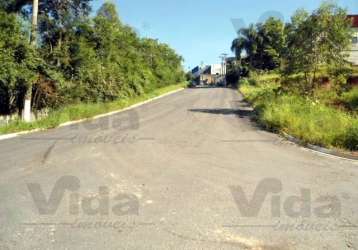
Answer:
(187, 171)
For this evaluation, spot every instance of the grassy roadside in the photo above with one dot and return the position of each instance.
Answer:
(311, 120)
(83, 111)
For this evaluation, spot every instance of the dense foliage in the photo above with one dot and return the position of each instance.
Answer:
(298, 76)
(310, 43)
(262, 44)
(317, 41)
(78, 58)
(18, 62)
(308, 118)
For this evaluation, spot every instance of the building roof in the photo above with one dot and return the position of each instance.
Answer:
(354, 20)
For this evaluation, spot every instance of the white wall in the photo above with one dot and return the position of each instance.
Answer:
(216, 69)
(353, 57)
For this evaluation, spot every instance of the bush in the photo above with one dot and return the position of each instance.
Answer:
(326, 96)
(350, 99)
(350, 137)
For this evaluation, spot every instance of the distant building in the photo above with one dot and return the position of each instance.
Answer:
(217, 69)
(209, 75)
(196, 72)
(353, 53)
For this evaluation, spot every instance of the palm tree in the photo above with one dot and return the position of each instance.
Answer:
(245, 43)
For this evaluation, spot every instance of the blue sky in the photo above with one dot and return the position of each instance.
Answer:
(201, 30)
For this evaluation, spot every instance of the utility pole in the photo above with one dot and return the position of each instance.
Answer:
(33, 40)
(223, 57)
(35, 11)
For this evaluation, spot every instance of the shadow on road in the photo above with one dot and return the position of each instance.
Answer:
(226, 111)
(207, 87)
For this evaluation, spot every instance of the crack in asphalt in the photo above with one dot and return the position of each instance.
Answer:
(47, 153)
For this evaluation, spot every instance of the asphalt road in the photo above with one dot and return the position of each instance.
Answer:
(188, 171)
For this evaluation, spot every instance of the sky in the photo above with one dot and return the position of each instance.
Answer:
(202, 30)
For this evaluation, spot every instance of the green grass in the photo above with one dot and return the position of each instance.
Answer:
(263, 78)
(83, 111)
(311, 121)
(257, 93)
(350, 99)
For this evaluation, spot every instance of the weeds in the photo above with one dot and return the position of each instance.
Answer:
(306, 118)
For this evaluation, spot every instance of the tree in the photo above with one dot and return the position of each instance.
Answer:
(271, 45)
(293, 40)
(11, 6)
(317, 41)
(18, 62)
(262, 44)
(233, 72)
(246, 43)
(78, 57)
(52, 23)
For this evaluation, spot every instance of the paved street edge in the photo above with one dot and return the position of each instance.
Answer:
(13, 135)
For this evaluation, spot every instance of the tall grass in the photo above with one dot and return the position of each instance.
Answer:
(350, 99)
(311, 121)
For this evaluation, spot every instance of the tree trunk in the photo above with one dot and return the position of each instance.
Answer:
(33, 39)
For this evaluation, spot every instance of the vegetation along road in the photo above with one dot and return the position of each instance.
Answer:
(187, 171)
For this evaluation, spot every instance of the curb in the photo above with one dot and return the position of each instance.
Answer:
(322, 150)
(13, 135)
(319, 149)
